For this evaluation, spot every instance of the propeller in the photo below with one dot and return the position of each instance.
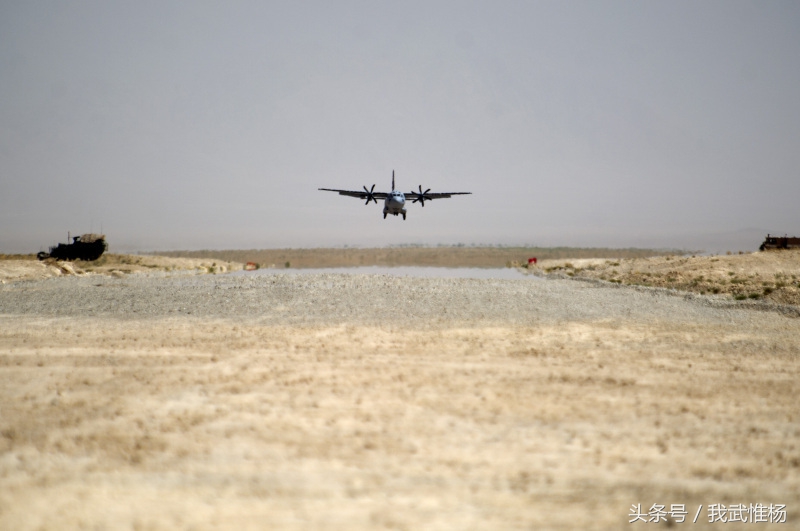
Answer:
(370, 195)
(421, 197)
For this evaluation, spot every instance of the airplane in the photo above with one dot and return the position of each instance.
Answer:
(395, 200)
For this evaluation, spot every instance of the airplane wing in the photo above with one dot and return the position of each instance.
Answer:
(356, 193)
(436, 195)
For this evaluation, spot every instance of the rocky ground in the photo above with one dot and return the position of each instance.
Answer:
(166, 400)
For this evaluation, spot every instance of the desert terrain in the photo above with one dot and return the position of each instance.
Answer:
(167, 397)
(26, 267)
(771, 276)
(443, 256)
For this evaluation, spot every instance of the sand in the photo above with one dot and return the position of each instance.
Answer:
(320, 403)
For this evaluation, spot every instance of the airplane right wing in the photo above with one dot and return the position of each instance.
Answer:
(361, 194)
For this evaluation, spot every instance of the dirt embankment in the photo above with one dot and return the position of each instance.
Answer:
(27, 267)
(770, 275)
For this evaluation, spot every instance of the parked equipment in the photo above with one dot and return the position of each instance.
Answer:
(85, 247)
(778, 242)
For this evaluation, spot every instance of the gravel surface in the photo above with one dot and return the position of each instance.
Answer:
(323, 299)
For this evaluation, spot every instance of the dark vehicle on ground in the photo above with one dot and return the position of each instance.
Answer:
(86, 247)
(780, 242)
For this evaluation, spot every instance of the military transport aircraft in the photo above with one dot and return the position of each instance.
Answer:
(394, 201)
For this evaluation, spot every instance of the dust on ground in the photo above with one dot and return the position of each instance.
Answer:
(769, 275)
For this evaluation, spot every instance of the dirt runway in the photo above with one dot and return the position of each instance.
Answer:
(176, 421)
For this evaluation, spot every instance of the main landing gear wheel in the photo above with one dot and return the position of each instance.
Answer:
(404, 216)
(384, 215)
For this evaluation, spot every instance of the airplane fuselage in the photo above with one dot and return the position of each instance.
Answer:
(394, 204)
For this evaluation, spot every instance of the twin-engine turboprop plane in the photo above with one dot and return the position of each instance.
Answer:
(395, 201)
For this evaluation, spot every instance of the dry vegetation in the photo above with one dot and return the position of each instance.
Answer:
(210, 424)
(771, 275)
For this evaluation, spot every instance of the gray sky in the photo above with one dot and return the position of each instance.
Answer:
(186, 125)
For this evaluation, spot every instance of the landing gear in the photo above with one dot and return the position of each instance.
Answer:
(384, 214)
(404, 216)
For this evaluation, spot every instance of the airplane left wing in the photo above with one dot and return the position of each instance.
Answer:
(437, 195)
(428, 196)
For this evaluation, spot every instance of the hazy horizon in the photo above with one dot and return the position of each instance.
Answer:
(180, 126)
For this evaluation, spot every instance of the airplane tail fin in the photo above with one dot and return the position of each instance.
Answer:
(392, 180)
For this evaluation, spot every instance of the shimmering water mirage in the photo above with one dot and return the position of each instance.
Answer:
(419, 272)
